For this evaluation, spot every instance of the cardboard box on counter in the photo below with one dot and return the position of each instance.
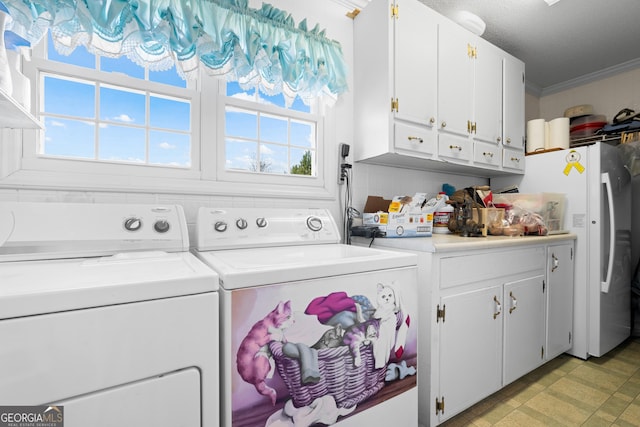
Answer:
(406, 220)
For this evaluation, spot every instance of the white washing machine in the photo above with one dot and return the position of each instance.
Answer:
(105, 314)
(313, 332)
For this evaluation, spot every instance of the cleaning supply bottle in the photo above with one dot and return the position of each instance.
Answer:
(443, 212)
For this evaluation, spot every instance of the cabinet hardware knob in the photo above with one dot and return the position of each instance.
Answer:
(498, 139)
(515, 159)
(487, 154)
(415, 138)
(498, 307)
(555, 262)
(455, 147)
(432, 120)
(444, 124)
(508, 140)
(514, 302)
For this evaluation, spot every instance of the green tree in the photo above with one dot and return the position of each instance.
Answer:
(304, 167)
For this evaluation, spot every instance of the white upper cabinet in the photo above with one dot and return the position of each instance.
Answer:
(429, 94)
(395, 80)
(513, 99)
(14, 115)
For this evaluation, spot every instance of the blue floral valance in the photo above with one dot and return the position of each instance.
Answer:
(252, 46)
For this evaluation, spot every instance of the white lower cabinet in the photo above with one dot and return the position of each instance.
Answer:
(498, 314)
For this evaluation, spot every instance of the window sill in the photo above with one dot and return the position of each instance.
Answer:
(50, 180)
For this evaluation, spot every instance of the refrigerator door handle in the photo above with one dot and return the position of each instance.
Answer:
(606, 180)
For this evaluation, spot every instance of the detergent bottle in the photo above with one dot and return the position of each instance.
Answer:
(442, 213)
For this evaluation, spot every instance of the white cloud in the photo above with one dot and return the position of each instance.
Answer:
(123, 118)
(166, 146)
(57, 124)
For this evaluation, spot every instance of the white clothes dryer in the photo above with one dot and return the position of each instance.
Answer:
(106, 315)
(312, 331)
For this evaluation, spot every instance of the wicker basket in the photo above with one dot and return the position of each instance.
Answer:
(348, 384)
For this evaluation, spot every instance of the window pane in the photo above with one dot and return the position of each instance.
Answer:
(303, 134)
(277, 100)
(274, 158)
(124, 144)
(69, 138)
(79, 56)
(241, 155)
(122, 106)
(241, 123)
(168, 77)
(302, 162)
(273, 128)
(122, 65)
(173, 149)
(170, 114)
(234, 90)
(68, 97)
(298, 105)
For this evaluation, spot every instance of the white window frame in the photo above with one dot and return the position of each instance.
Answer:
(278, 179)
(207, 174)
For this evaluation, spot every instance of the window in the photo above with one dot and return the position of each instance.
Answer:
(111, 120)
(266, 137)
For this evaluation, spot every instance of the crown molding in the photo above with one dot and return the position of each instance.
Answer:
(538, 91)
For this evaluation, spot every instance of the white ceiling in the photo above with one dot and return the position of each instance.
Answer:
(560, 44)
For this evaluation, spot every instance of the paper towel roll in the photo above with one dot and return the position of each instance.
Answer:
(535, 135)
(559, 133)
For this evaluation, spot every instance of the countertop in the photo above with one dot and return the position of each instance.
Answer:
(453, 242)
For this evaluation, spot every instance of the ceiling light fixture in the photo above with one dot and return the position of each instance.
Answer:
(470, 21)
(551, 2)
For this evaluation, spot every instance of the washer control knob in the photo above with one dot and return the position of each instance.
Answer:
(314, 223)
(133, 224)
(241, 223)
(261, 222)
(161, 226)
(220, 226)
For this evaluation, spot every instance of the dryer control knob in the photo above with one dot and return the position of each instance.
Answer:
(314, 223)
(261, 222)
(220, 226)
(133, 224)
(161, 226)
(241, 223)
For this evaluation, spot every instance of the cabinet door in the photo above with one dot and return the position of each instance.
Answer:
(470, 348)
(523, 326)
(514, 122)
(559, 299)
(487, 103)
(513, 159)
(455, 78)
(415, 62)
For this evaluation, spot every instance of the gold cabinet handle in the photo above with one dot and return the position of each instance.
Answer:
(514, 302)
(508, 140)
(455, 147)
(487, 154)
(443, 124)
(498, 309)
(555, 262)
(415, 138)
(432, 120)
(515, 159)
(498, 139)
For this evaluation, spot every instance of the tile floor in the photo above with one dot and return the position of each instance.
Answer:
(567, 391)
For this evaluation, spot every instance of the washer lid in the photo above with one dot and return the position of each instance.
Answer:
(240, 268)
(37, 287)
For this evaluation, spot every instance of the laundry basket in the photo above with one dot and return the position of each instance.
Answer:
(348, 384)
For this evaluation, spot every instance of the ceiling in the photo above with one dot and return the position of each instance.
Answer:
(559, 44)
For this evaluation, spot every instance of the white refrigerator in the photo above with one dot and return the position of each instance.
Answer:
(598, 211)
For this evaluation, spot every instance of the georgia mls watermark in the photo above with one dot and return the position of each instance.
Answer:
(31, 416)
